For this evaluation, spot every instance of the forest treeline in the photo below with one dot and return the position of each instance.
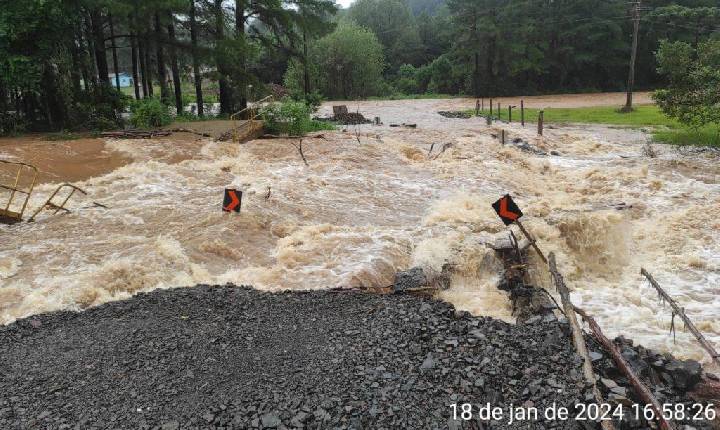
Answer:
(60, 60)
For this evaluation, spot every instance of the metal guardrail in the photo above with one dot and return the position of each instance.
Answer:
(61, 207)
(251, 113)
(8, 216)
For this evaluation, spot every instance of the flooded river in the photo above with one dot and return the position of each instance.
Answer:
(375, 200)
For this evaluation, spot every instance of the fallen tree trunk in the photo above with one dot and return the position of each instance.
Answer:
(578, 337)
(642, 391)
(187, 130)
(135, 134)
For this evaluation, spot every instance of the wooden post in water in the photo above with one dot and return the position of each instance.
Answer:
(498, 112)
(491, 106)
(541, 118)
(509, 114)
(482, 105)
(502, 137)
(477, 107)
(522, 112)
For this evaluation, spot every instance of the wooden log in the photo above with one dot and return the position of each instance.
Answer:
(677, 310)
(533, 243)
(642, 391)
(578, 338)
(706, 390)
(135, 134)
(188, 130)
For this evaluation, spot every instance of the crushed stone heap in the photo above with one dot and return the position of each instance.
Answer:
(233, 357)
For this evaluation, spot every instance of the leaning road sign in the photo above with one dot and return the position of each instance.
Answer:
(232, 201)
(510, 213)
(507, 210)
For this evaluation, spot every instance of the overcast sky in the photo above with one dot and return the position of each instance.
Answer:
(344, 3)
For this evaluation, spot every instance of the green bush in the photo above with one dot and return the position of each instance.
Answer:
(312, 100)
(11, 124)
(290, 118)
(98, 111)
(149, 113)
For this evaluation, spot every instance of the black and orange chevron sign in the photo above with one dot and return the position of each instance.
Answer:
(232, 201)
(508, 211)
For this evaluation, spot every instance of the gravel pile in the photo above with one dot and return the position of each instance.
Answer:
(455, 114)
(232, 357)
(350, 118)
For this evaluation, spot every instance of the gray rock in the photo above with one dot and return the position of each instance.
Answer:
(609, 383)
(595, 356)
(170, 425)
(428, 363)
(685, 374)
(271, 420)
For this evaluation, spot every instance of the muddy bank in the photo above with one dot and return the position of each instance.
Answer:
(222, 356)
(61, 161)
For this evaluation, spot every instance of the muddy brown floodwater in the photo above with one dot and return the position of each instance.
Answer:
(372, 202)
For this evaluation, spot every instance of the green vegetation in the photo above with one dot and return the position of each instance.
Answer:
(663, 128)
(702, 136)
(345, 64)
(56, 57)
(291, 118)
(642, 116)
(693, 95)
(149, 113)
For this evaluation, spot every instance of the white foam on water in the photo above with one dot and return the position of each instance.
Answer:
(362, 211)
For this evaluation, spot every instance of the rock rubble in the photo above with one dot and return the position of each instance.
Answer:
(232, 357)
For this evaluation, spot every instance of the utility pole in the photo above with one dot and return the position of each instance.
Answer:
(633, 55)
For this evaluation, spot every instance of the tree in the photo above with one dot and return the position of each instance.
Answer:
(196, 59)
(693, 75)
(394, 25)
(348, 63)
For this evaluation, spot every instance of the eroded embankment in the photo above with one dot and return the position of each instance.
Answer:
(379, 201)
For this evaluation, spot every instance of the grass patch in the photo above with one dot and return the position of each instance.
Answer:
(704, 136)
(642, 116)
(666, 130)
(316, 125)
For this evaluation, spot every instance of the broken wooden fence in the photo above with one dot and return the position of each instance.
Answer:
(578, 337)
(677, 310)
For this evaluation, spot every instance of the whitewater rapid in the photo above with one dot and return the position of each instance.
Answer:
(373, 201)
